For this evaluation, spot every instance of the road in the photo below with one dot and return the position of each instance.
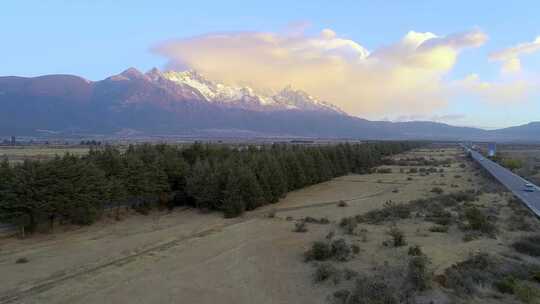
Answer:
(513, 182)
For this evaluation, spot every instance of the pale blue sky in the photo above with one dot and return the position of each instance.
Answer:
(95, 39)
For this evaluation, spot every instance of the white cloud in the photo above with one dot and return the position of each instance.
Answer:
(510, 57)
(503, 91)
(405, 77)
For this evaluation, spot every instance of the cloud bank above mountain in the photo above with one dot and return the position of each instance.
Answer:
(510, 57)
(402, 78)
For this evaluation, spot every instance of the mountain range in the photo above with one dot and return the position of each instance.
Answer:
(186, 103)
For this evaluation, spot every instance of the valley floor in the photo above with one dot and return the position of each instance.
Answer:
(191, 257)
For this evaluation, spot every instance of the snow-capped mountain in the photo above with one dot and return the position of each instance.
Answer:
(186, 103)
(238, 96)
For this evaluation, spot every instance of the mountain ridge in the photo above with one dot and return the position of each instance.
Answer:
(174, 102)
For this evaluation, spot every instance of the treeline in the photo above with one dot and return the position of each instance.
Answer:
(216, 177)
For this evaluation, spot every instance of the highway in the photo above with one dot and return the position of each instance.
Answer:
(513, 182)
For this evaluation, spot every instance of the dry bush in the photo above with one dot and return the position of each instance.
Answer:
(529, 245)
(415, 251)
(348, 224)
(326, 271)
(349, 274)
(487, 270)
(527, 293)
(419, 276)
(22, 260)
(439, 228)
(437, 190)
(464, 277)
(300, 226)
(397, 237)
(312, 220)
(342, 204)
(517, 222)
(338, 250)
(373, 290)
(390, 211)
(320, 251)
(478, 221)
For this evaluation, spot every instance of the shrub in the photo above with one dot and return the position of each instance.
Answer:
(409, 178)
(348, 274)
(272, 214)
(464, 276)
(341, 296)
(363, 235)
(464, 196)
(413, 170)
(300, 226)
(519, 223)
(397, 237)
(437, 190)
(22, 260)
(340, 250)
(374, 290)
(415, 250)
(469, 237)
(443, 218)
(384, 170)
(320, 251)
(348, 224)
(478, 221)
(312, 220)
(438, 228)
(326, 271)
(536, 276)
(390, 211)
(330, 235)
(342, 204)
(528, 245)
(460, 282)
(457, 176)
(355, 248)
(418, 274)
(505, 285)
(234, 208)
(527, 293)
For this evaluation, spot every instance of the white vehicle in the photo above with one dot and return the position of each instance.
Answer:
(529, 187)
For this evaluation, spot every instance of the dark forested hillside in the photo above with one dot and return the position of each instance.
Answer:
(229, 179)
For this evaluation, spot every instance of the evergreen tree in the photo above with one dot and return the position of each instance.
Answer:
(203, 185)
(233, 200)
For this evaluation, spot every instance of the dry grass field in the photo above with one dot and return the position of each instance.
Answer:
(186, 256)
(529, 156)
(20, 153)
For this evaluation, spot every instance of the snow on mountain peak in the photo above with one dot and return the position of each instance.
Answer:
(243, 97)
